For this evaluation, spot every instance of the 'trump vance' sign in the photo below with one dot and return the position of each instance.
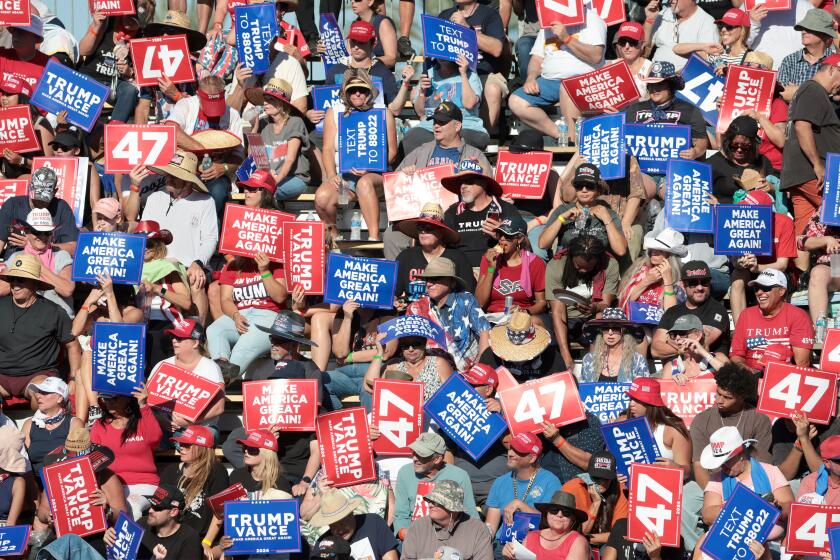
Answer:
(63, 89)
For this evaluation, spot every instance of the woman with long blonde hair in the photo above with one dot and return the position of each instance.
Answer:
(613, 355)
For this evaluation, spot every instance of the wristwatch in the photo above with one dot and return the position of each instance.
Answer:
(306, 479)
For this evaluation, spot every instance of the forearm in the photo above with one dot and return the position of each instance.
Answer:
(790, 465)
(214, 411)
(341, 340)
(618, 243)
(74, 355)
(314, 461)
(184, 140)
(590, 54)
(69, 246)
(182, 301)
(774, 133)
(403, 93)
(489, 45)
(484, 287)
(276, 289)
(550, 233)
(574, 455)
(62, 286)
(685, 49)
(229, 308)
(535, 67)
(87, 46)
(701, 476)
(288, 164)
(631, 211)
(538, 307)
(710, 513)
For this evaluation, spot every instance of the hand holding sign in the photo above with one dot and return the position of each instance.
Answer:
(551, 399)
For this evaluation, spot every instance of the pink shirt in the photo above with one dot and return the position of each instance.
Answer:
(777, 480)
(134, 460)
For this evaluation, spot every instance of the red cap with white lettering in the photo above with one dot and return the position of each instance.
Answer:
(630, 30)
(832, 60)
(196, 435)
(263, 439)
(260, 179)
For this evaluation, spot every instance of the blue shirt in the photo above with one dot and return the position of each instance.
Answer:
(796, 70)
(501, 493)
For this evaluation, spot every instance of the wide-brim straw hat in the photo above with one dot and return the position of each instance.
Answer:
(431, 214)
(26, 266)
(442, 267)
(215, 141)
(335, 506)
(520, 339)
(278, 89)
(177, 23)
(184, 165)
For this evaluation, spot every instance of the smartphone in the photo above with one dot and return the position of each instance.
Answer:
(493, 215)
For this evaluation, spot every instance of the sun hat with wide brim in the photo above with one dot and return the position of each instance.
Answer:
(278, 89)
(442, 267)
(724, 444)
(335, 506)
(566, 503)
(184, 166)
(470, 171)
(668, 240)
(431, 214)
(177, 23)
(26, 266)
(612, 317)
(520, 339)
(214, 141)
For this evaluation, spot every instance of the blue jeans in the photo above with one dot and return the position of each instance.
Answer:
(124, 102)
(224, 341)
(346, 381)
(523, 53)
(219, 189)
(290, 187)
(534, 236)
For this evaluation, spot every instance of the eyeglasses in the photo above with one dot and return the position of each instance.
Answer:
(695, 283)
(248, 450)
(628, 42)
(726, 27)
(741, 146)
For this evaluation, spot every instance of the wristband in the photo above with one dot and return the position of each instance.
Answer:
(86, 309)
(669, 293)
(205, 542)
(306, 479)
(177, 97)
(539, 220)
(798, 445)
(377, 357)
(559, 441)
(568, 40)
(265, 275)
(490, 270)
(349, 359)
(561, 219)
(134, 188)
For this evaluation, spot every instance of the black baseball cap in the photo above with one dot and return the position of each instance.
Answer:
(745, 126)
(510, 226)
(586, 173)
(66, 139)
(167, 496)
(696, 270)
(446, 112)
(529, 140)
(602, 465)
(331, 547)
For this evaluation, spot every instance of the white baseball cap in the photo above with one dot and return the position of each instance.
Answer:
(770, 277)
(51, 385)
(40, 219)
(724, 444)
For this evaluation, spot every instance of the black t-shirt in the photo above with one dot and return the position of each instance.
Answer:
(723, 171)
(183, 544)
(18, 207)
(468, 223)
(412, 262)
(379, 70)
(711, 313)
(810, 103)
(488, 21)
(243, 476)
(198, 514)
(102, 64)
(371, 528)
(545, 364)
(676, 112)
(31, 338)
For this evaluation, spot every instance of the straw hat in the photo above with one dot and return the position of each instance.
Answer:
(177, 23)
(431, 214)
(749, 179)
(335, 506)
(519, 340)
(215, 141)
(184, 165)
(27, 266)
(276, 88)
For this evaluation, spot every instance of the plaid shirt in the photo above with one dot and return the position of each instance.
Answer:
(796, 70)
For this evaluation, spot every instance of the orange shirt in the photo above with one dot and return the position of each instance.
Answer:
(583, 500)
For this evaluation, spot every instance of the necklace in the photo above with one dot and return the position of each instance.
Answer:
(474, 8)
(527, 490)
(543, 537)
(16, 317)
(738, 424)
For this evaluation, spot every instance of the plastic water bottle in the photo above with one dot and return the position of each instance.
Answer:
(563, 132)
(356, 226)
(343, 197)
(206, 162)
(577, 130)
(820, 328)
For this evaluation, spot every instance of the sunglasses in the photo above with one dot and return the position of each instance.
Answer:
(425, 228)
(185, 446)
(695, 283)
(60, 148)
(619, 330)
(726, 26)
(674, 335)
(741, 146)
(159, 508)
(759, 288)
(556, 511)
(248, 450)
(584, 186)
(251, 189)
(628, 43)
(416, 344)
(357, 91)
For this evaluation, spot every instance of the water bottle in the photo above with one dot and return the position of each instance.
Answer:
(343, 197)
(820, 328)
(206, 162)
(563, 132)
(580, 222)
(356, 226)
(577, 130)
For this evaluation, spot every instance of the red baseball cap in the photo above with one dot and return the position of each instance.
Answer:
(736, 17)
(186, 328)
(260, 179)
(630, 30)
(526, 443)
(264, 439)
(14, 85)
(830, 448)
(646, 390)
(757, 198)
(196, 435)
(362, 31)
(481, 374)
(833, 60)
(213, 104)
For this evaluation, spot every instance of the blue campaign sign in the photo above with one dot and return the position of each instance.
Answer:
(127, 540)
(631, 441)
(256, 28)
(602, 144)
(324, 97)
(604, 400)
(523, 523)
(363, 141)
(742, 229)
(14, 539)
(744, 516)
(830, 210)
(654, 144)
(63, 89)
(446, 40)
(834, 541)
(413, 325)
(262, 526)
(331, 38)
(246, 169)
(118, 254)
(118, 357)
(702, 88)
(687, 208)
(645, 313)
(369, 282)
(462, 415)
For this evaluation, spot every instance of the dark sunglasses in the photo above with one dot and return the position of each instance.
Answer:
(759, 288)
(60, 148)
(726, 26)
(695, 283)
(619, 330)
(159, 508)
(355, 90)
(251, 189)
(674, 335)
(556, 511)
(413, 343)
(426, 228)
(628, 42)
(582, 186)
(253, 451)
(741, 146)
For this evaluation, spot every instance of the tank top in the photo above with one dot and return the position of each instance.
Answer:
(42, 441)
(532, 543)
(6, 496)
(428, 375)
(659, 436)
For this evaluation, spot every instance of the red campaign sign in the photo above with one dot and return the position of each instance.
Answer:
(830, 357)
(567, 12)
(611, 11)
(551, 399)
(69, 485)
(217, 501)
(769, 5)
(610, 86)
(421, 506)
(128, 145)
(175, 389)
(506, 379)
(655, 503)
(745, 89)
(16, 130)
(786, 389)
(689, 400)
(523, 175)
(12, 187)
(112, 7)
(289, 403)
(248, 231)
(303, 256)
(405, 195)
(398, 412)
(807, 529)
(157, 57)
(15, 12)
(346, 449)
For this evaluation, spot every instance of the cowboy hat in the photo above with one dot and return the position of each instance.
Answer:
(184, 166)
(177, 23)
(431, 214)
(152, 230)
(519, 340)
(611, 317)
(335, 506)
(24, 265)
(471, 169)
(288, 325)
(724, 444)
(442, 267)
(668, 240)
(566, 503)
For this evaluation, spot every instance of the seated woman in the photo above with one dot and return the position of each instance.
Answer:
(694, 359)
(523, 347)
(560, 536)
(599, 493)
(822, 242)
(738, 152)
(734, 29)
(613, 355)
(48, 428)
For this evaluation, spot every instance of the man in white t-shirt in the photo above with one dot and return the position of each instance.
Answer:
(559, 52)
(683, 21)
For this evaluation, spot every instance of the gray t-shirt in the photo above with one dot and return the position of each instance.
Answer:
(61, 259)
(277, 144)
(812, 104)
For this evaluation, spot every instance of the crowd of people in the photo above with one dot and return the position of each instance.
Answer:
(520, 288)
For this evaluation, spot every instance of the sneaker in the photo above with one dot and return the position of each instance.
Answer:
(94, 414)
(404, 48)
(230, 372)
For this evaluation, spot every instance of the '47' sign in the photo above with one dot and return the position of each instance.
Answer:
(128, 145)
(553, 399)
(830, 359)
(157, 57)
(655, 503)
(808, 525)
(787, 389)
(567, 12)
(702, 88)
(398, 413)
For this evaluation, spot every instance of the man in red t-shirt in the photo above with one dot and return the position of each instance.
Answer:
(772, 321)
(24, 61)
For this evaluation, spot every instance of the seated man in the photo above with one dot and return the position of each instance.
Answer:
(367, 533)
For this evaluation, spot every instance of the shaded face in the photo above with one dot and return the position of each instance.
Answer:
(727, 402)
(516, 460)
(39, 240)
(629, 49)
(428, 236)
(157, 517)
(833, 466)
(444, 132)
(438, 287)
(175, 186)
(23, 41)
(810, 39)
(558, 521)
(584, 265)
(413, 348)
(657, 257)
(769, 298)
(612, 335)
(438, 513)
(184, 347)
(470, 192)
(344, 528)
(659, 93)
(116, 404)
(735, 465)
(271, 105)
(279, 348)
(65, 151)
(9, 99)
(586, 193)
(359, 50)
(22, 288)
(510, 244)
(188, 453)
(48, 401)
(741, 147)
(150, 249)
(698, 290)
(251, 455)
(102, 222)
(637, 409)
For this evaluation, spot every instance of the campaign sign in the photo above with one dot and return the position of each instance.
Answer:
(323, 98)
(446, 40)
(363, 141)
(217, 501)
(247, 231)
(745, 516)
(12, 187)
(129, 145)
(69, 485)
(289, 403)
(303, 255)
(118, 254)
(262, 526)
(612, 12)
(787, 389)
(127, 539)
(112, 7)
(63, 89)
(742, 229)
(631, 441)
(72, 173)
(156, 57)
(330, 32)
(405, 195)
(567, 12)
(552, 399)
(644, 313)
(604, 400)
(690, 399)
(462, 415)
(16, 130)
(14, 539)
(243, 173)
(834, 541)
(256, 28)
(602, 144)
(118, 357)
(368, 282)
(655, 503)
(830, 356)
(702, 88)
(611, 86)
(745, 89)
(523, 523)
(523, 175)
(769, 5)
(689, 185)
(808, 528)
(15, 12)
(830, 209)
(174, 389)
(398, 413)
(654, 144)
(413, 325)
(346, 448)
